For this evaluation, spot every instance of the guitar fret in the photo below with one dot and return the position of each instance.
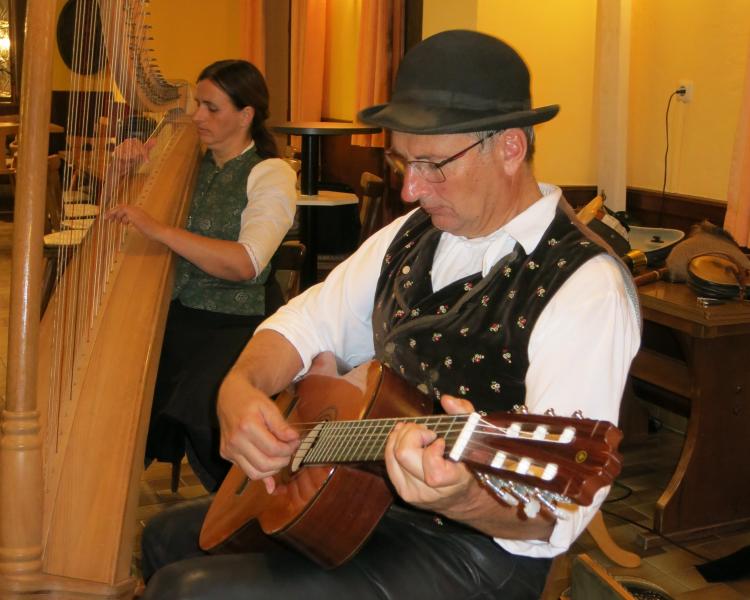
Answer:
(365, 440)
(357, 452)
(366, 445)
(450, 435)
(321, 453)
(348, 445)
(377, 445)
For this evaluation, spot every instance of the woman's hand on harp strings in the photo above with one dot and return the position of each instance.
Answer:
(129, 154)
(126, 214)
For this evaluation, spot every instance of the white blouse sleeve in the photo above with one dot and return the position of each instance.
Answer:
(271, 203)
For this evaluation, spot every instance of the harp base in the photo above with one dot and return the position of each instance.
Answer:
(52, 587)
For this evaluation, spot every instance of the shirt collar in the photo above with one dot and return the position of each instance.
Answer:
(250, 146)
(528, 227)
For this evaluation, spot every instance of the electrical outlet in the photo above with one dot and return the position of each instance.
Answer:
(688, 87)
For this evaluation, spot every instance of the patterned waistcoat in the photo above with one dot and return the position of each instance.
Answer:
(470, 339)
(219, 198)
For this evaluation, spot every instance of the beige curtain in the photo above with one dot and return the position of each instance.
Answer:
(308, 41)
(737, 220)
(374, 54)
(378, 52)
(253, 42)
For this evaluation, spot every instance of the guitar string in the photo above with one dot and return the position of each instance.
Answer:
(340, 441)
(375, 432)
(483, 426)
(316, 452)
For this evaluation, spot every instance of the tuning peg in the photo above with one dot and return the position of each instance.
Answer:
(497, 486)
(550, 412)
(532, 508)
(577, 414)
(541, 497)
(518, 492)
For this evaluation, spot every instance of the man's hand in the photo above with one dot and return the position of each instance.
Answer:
(418, 470)
(254, 434)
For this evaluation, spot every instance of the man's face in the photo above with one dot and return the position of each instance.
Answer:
(470, 202)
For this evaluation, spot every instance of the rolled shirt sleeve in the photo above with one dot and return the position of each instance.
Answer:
(269, 214)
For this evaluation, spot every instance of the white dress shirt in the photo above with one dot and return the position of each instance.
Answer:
(579, 350)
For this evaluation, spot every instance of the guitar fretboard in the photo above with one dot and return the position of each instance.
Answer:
(336, 442)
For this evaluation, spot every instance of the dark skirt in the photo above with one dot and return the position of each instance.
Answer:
(199, 349)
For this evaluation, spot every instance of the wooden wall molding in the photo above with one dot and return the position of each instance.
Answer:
(650, 209)
(676, 211)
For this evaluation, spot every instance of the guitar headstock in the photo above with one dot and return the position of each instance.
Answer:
(564, 458)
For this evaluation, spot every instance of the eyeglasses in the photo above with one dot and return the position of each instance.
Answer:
(428, 170)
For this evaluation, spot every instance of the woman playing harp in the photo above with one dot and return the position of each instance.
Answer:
(242, 207)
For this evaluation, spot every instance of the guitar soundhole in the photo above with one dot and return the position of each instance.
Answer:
(242, 486)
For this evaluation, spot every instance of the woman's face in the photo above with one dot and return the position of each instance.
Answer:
(221, 126)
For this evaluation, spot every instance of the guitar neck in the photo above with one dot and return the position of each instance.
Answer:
(339, 442)
(568, 456)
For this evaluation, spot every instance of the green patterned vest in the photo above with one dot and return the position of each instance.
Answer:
(219, 198)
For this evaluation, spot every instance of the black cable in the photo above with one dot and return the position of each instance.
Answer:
(678, 92)
(629, 492)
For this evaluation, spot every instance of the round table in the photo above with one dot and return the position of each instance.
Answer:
(310, 196)
(310, 131)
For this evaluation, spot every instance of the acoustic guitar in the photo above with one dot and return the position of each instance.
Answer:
(333, 493)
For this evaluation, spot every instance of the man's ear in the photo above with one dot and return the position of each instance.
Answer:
(513, 145)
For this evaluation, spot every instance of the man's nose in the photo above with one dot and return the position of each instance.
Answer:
(414, 186)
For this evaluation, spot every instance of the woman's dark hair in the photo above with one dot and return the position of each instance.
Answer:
(245, 86)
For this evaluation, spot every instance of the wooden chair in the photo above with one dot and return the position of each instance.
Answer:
(56, 235)
(53, 200)
(589, 579)
(287, 265)
(371, 205)
(597, 529)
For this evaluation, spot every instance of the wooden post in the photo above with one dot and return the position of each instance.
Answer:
(612, 80)
(20, 439)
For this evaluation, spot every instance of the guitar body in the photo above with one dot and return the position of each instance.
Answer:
(326, 512)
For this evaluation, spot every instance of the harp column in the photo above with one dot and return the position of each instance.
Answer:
(20, 439)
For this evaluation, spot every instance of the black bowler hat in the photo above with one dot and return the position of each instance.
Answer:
(457, 82)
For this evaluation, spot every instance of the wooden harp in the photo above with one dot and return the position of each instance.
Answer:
(80, 381)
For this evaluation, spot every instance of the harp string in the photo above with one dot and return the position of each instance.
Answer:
(91, 176)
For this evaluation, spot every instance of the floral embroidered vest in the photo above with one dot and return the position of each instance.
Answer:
(219, 198)
(470, 338)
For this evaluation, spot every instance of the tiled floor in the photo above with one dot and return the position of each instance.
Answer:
(647, 469)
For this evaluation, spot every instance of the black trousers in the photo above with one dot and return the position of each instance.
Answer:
(199, 348)
(409, 556)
